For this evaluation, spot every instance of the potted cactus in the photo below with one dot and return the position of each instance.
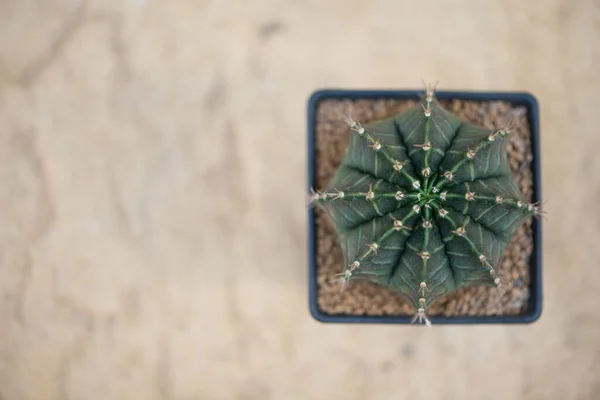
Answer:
(423, 204)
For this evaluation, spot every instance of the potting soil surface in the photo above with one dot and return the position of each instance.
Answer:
(365, 298)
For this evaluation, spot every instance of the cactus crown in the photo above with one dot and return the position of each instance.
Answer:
(424, 204)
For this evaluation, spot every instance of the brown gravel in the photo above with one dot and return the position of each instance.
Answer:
(364, 298)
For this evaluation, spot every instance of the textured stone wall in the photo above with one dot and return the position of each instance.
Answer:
(152, 197)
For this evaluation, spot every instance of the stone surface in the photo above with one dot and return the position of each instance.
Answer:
(152, 197)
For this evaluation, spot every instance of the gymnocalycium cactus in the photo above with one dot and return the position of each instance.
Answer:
(424, 203)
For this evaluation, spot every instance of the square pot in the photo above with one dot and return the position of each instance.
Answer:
(526, 100)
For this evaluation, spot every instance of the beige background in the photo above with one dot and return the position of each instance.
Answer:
(152, 189)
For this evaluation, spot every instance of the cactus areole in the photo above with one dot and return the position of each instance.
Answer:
(424, 203)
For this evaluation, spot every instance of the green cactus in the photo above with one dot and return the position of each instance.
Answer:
(424, 203)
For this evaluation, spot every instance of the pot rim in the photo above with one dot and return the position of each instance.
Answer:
(525, 99)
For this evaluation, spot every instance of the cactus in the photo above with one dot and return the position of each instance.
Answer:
(424, 203)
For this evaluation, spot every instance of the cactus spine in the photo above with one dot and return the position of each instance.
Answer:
(424, 204)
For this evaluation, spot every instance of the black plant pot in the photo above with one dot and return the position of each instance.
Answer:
(516, 99)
